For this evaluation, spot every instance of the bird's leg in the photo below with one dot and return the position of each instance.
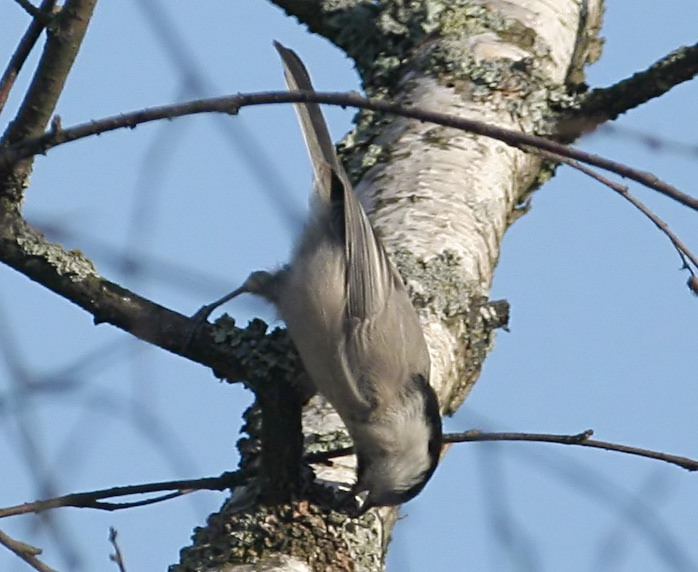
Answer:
(260, 283)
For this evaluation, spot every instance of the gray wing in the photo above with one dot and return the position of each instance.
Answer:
(370, 277)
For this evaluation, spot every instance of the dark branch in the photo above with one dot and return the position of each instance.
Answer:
(582, 439)
(232, 104)
(24, 48)
(607, 103)
(47, 84)
(36, 13)
(112, 506)
(309, 12)
(72, 276)
(93, 499)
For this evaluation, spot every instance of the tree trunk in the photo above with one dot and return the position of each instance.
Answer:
(441, 199)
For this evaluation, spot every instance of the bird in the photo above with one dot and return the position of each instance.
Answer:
(348, 313)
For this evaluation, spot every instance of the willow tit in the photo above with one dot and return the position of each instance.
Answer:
(358, 335)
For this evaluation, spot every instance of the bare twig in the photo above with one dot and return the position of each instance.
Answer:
(232, 104)
(24, 48)
(684, 253)
(117, 556)
(25, 551)
(93, 499)
(112, 506)
(581, 439)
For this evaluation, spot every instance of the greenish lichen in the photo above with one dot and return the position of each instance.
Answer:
(72, 264)
(432, 37)
(263, 355)
(465, 18)
(437, 136)
(321, 442)
(475, 340)
(438, 287)
(299, 530)
(358, 150)
(436, 284)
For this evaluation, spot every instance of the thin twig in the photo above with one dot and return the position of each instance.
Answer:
(622, 190)
(117, 556)
(93, 499)
(581, 439)
(111, 506)
(232, 104)
(24, 48)
(25, 551)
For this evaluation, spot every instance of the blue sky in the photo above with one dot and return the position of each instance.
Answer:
(602, 325)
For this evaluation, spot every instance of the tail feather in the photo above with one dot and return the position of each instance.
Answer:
(371, 278)
(315, 131)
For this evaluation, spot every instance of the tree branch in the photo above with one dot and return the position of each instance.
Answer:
(604, 104)
(72, 276)
(24, 48)
(117, 557)
(95, 499)
(36, 13)
(312, 13)
(40, 100)
(684, 253)
(581, 439)
(25, 551)
(232, 104)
